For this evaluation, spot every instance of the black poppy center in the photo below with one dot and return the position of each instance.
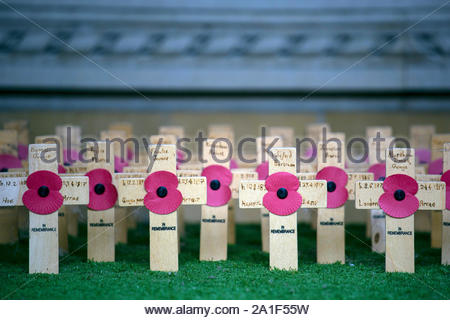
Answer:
(161, 192)
(399, 195)
(66, 164)
(43, 191)
(381, 178)
(215, 184)
(331, 186)
(99, 188)
(282, 193)
(4, 170)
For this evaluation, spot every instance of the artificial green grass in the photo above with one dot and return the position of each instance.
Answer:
(245, 275)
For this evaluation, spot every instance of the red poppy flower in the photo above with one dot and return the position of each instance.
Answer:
(378, 170)
(218, 180)
(8, 161)
(436, 166)
(42, 196)
(22, 151)
(398, 199)
(102, 193)
(446, 178)
(282, 197)
(336, 185)
(423, 155)
(119, 164)
(163, 197)
(263, 170)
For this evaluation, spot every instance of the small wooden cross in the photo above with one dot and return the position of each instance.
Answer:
(331, 221)
(100, 223)
(43, 228)
(214, 220)
(437, 146)
(225, 131)
(62, 212)
(163, 227)
(283, 229)
(400, 231)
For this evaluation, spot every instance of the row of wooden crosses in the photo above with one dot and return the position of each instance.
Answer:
(48, 181)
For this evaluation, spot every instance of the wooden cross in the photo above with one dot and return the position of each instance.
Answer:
(283, 229)
(62, 212)
(445, 258)
(163, 227)
(178, 132)
(43, 228)
(100, 223)
(220, 131)
(331, 221)
(400, 232)
(214, 220)
(437, 145)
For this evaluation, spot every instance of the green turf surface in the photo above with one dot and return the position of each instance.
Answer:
(245, 275)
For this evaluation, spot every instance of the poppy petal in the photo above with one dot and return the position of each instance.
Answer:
(165, 205)
(44, 178)
(108, 198)
(337, 198)
(218, 172)
(8, 161)
(378, 170)
(103, 201)
(335, 174)
(263, 170)
(282, 180)
(61, 169)
(436, 166)
(423, 156)
(97, 176)
(398, 209)
(282, 207)
(219, 197)
(400, 181)
(160, 178)
(40, 205)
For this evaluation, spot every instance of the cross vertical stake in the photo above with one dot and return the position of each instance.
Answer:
(330, 221)
(100, 223)
(214, 220)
